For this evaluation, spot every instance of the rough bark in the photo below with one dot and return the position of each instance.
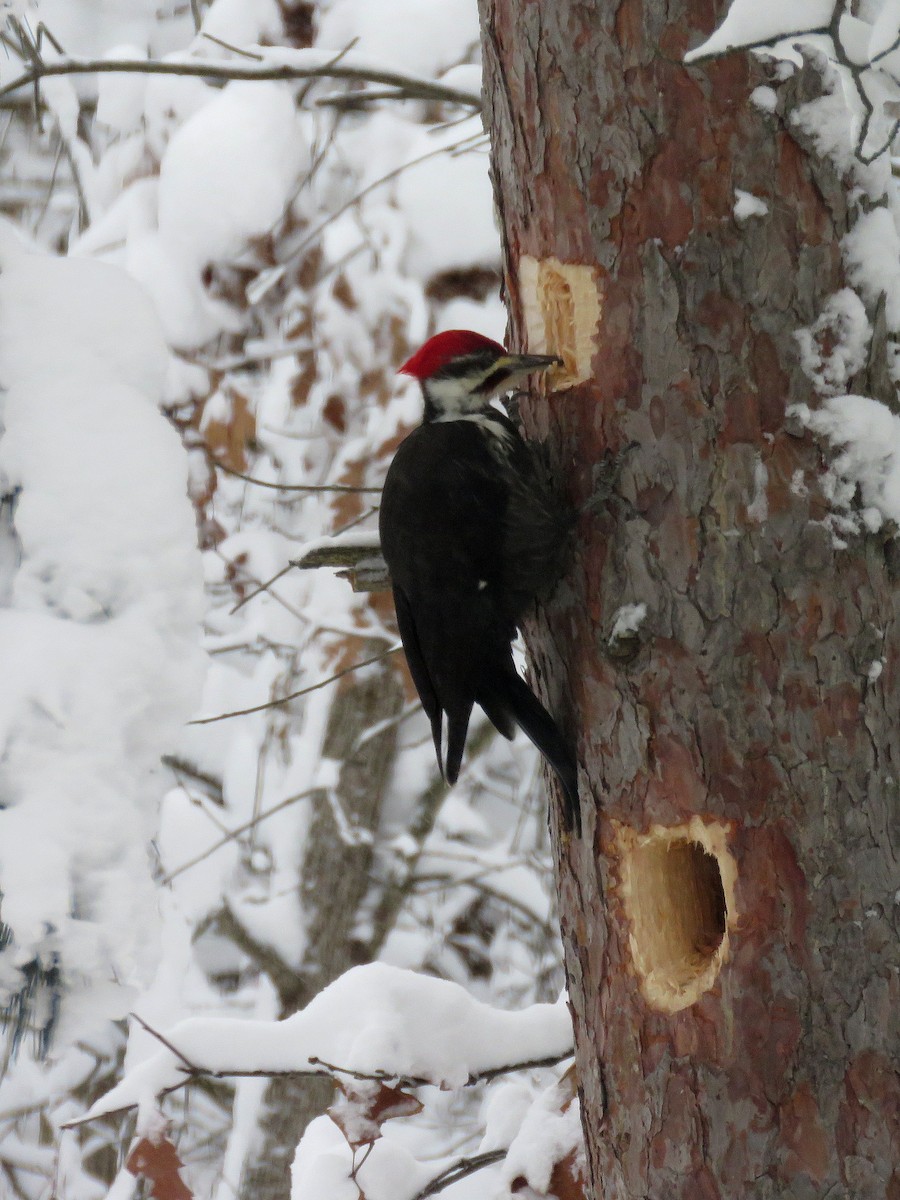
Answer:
(729, 919)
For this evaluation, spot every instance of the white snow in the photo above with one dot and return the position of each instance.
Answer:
(875, 670)
(416, 37)
(765, 98)
(373, 1019)
(322, 1167)
(229, 171)
(868, 435)
(752, 21)
(758, 508)
(242, 22)
(549, 1132)
(628, 620)
(747, 205)
(120, 98)
(885, 28)
(836, 346)
(872, 249)
(100, 641)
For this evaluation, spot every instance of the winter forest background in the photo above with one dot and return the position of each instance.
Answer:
(217, 791)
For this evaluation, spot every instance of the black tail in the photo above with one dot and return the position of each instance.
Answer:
(507, 697)
(457, 729)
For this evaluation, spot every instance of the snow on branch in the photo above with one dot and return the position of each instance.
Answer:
(750, 24)
(375, 1022)
(270, 63)
(866, 51)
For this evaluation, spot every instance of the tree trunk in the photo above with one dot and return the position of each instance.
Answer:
(335, 879)
(729, 919)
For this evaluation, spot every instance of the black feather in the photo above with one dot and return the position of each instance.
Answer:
(472, 535)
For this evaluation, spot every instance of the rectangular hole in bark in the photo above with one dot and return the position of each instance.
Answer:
(561, 304)
(677, 886)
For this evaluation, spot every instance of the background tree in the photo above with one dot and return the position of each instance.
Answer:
(297, 238)
(685, 236)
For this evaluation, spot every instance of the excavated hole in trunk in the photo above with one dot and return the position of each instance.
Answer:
(677, 885)
(561, 306)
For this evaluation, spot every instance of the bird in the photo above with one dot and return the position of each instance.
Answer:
(472, 534)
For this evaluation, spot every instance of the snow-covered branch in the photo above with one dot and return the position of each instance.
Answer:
(866, 51)
(301, 65)
(375, 1023)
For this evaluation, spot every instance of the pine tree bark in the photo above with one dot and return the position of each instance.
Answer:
(729, 916)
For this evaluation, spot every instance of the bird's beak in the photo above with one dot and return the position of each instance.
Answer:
(524, 364)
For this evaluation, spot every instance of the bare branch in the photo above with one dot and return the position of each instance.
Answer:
(245, 712)
(459, 1170)
(185, 1062)
(290, 487)
(363, 565)
(181, 767)
(407, 86)
(234, 49)
(346, 556)
(236, 833)
(263, 587)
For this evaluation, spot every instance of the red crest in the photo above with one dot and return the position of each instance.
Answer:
(444, 347)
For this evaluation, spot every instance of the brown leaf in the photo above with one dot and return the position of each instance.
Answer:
(158, 1162)
(228, 440)
(360, 1109)
(566, 1179)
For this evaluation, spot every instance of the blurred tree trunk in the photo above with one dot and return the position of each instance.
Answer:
(335, 879)
(731, 949)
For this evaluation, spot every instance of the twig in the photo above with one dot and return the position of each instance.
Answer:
(236, 833)
(459, 1170)
(186, 1062)
(306, 562)
(531, 1064)
(352, 100)
(289, 487)
(263, 587)
(245, 712)
(234, 49)
(182, 767)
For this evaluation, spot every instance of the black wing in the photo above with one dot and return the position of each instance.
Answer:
(469, 541)
(442, 528)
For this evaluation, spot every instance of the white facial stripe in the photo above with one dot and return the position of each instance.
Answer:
(451, 397)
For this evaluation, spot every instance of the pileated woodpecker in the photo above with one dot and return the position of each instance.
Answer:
(472, 534)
